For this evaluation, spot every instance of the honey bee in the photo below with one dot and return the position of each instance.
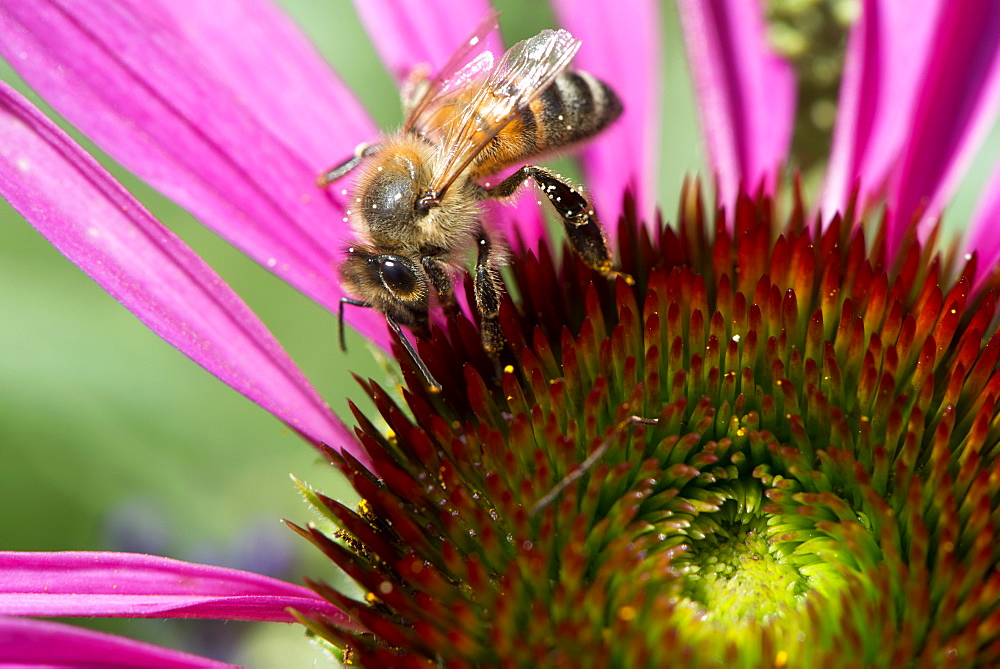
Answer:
(416, 201)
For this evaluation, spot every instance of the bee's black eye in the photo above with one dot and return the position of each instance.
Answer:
(398, 278)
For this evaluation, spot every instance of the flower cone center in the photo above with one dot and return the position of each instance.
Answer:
(736, 576)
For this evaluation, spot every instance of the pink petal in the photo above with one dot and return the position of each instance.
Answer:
(257, 51)
(100, 227)
(134, 81)
(621, 46)
(746, 94)
(958, 102)
(983, 233)
(886, 55)
(131, 585)
(407, 34)
(37, 643)
(411, 34)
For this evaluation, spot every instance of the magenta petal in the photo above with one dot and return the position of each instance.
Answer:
(407, 34)
(100, 227)
(886, 55)
(131, 585)
(36, 643)
(129, 77)
(984, 233)
(746, 94)
(258, 52)
(621, 46)
(958, 101)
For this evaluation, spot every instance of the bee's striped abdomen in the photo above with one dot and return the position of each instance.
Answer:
(575, 107)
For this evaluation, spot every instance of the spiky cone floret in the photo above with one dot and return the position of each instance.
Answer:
(777, 448)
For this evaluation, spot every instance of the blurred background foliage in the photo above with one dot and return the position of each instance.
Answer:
(112, 440)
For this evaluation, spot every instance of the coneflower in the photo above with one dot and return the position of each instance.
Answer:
(776, 448)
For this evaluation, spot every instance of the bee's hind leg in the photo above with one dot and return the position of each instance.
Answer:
(574, 208)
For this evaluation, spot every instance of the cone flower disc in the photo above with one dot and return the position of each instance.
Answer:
(777, 448)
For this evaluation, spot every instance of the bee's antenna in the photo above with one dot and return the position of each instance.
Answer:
(340, 318)
(435, 387)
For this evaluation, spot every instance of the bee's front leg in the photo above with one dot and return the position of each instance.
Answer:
(487, 288)
(574, 208)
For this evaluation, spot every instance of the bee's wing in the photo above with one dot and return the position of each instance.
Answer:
(455, 74)
(520, 76)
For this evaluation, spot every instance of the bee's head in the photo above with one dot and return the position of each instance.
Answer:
(393, 284)
(391, 187)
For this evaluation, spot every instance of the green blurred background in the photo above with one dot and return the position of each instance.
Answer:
(111, 439)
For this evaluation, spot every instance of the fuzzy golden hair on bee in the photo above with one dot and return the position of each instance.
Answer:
(417, 199)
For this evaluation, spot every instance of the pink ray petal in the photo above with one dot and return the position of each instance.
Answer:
(133, 81)
(883, 69)
(621, 46)
(408, 35)
(36, 643)
(984, 233)
(100, 227)
(958, 102)
(257, 51)
(745, 93)
(132, 585)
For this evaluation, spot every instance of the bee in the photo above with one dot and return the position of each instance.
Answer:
(416, 202)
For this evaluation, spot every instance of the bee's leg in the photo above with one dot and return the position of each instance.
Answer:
(487, 289)
(442, 284)
(338, 171)
(574, 208)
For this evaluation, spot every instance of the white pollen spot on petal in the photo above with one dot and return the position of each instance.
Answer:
(561, 117)
(968, 256)
(474, 41)
(350, 250)
(271, 262)
(379, 168)
(343, 191)
(399, 196)
(357, 199)
(374, 206)
(736, 338)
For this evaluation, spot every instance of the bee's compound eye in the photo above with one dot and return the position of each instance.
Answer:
(398, 278)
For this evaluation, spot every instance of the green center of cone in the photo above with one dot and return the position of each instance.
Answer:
(736, 576)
